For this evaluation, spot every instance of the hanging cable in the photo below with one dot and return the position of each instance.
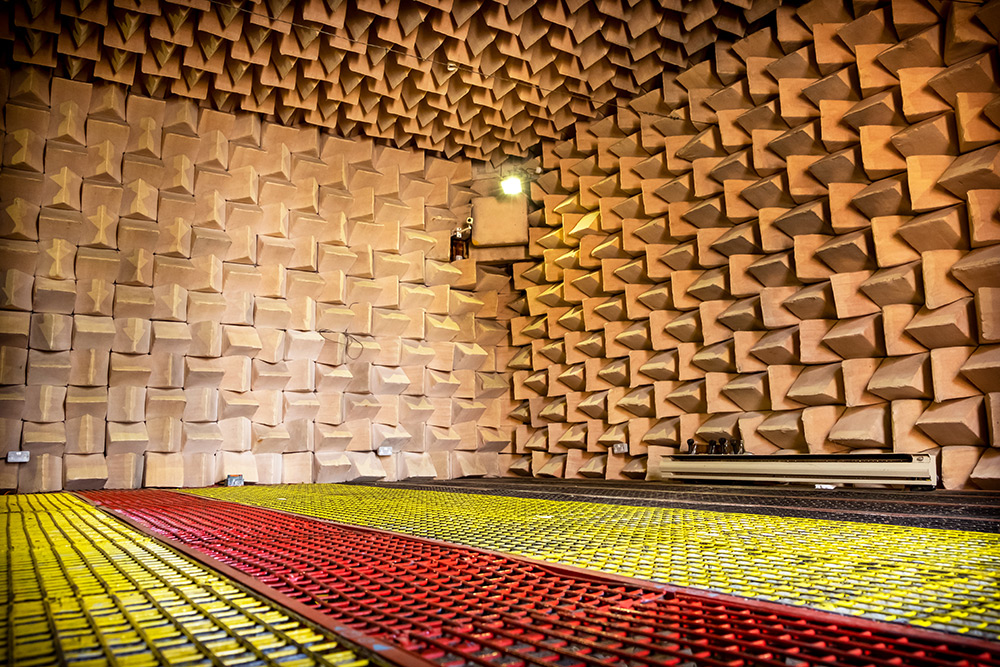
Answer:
(349, 339)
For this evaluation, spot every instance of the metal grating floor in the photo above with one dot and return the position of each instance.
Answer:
(457, 606)
(977, 511)
(84, 589)
(942, 579)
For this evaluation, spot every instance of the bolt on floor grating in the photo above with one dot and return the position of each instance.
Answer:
(460, 607)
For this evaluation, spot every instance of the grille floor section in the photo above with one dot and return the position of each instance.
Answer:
(81, 588)
(458, 606)
(941, 579)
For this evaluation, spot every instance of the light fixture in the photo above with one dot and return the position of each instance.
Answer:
(511, 185)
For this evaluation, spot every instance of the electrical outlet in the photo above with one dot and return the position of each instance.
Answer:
(619, 448)
(18, 457)
(385, 450)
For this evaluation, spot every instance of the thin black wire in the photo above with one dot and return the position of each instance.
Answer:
(348, 339)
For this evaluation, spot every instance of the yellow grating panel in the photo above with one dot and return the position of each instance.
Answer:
(942, 579)
(82, 588)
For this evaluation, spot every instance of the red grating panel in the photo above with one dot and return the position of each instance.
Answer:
(457, 606)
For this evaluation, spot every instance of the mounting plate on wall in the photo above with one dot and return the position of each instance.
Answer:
(18, 457)
(500, 221)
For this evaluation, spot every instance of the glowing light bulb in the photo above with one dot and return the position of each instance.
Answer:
(511, 185)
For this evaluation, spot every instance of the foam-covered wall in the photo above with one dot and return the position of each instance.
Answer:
(167, 274)
(796, 243)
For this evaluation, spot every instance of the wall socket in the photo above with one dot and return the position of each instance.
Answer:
(384, 450)
(18, 457)
(619, 448)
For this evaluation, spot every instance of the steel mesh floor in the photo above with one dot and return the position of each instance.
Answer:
(457, 606)
(942, 579)
(972, 511)
(82, 588)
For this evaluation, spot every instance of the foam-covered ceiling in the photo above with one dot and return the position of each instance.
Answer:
(482, 78)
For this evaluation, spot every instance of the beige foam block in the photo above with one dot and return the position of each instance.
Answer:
(44, 403)
(332, 467)
(269, 439)
(84, 435)
(979, 268)
(470, 464)
(51, 332)
(993, 418)
(904, 377)
(383, 435)
(49, 438)
(331, 438)
(984, 216)
(301, 405)
(296, 468)
(201, 438)
(126, 438)
(301, 436)
(236, 463)
(134, 369)
(940, 287)
(170, 337)
(42, 473)
(971, 171)
(515, 465)
(38, 367)
(237, 433)
(164, 403)
(981, 368)
(269, 468)
(10, 436)
(857, 378)
(202, 404)
(957, 465)
(411, 465)
(199, 469)
(163, 470)
(15, 329)
(8, 475)
(818, 385)
(94, 300)
(986, 474)
(923, 174)
(548, 465)
(84, 471)
(12, 401)
(494, 439)
(864, 427)
(165, 434)
(947, 380)
(365, 466)
(779, 379)
(124, 471)
(593, 467)
(919, 99)
(126, 403)
(783, 430)
(816, 425)
(906, 437)
(961, 421)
